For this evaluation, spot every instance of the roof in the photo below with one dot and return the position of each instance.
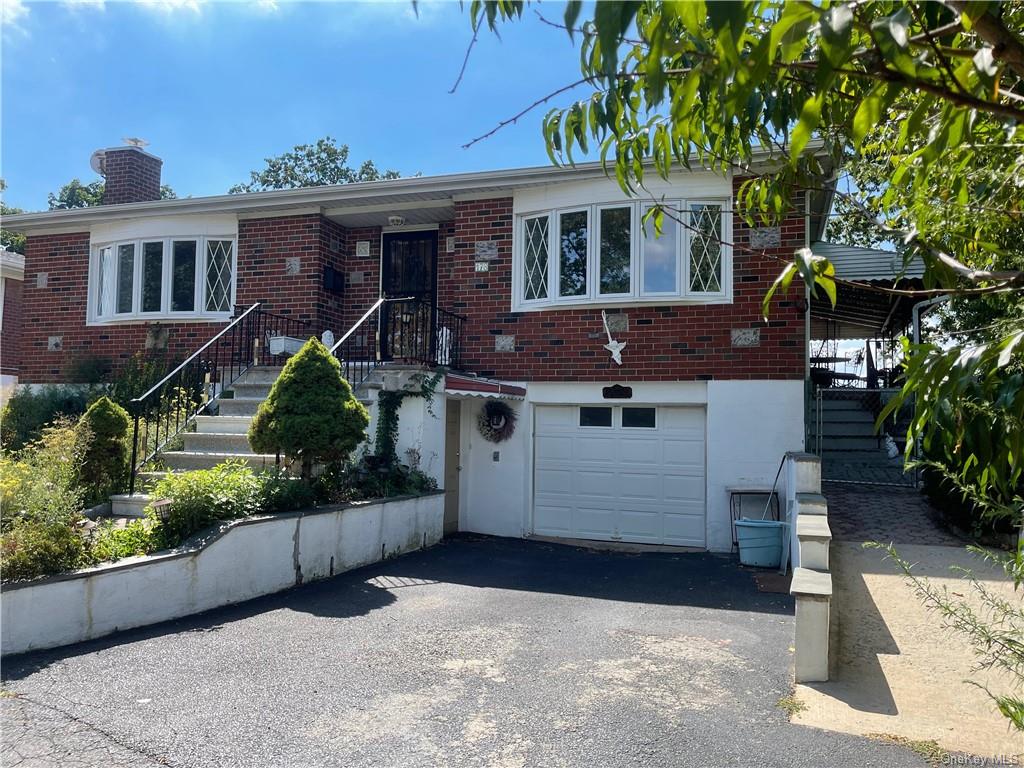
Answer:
(389, 192)
(867, 264)
(12, 264)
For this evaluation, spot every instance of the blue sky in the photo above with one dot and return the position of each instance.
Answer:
(215, 87)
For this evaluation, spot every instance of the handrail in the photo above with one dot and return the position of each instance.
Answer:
(196, 354)
(358, 323)
(170, 406)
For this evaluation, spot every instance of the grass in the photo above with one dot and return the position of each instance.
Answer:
(791, 705)
(927, 749)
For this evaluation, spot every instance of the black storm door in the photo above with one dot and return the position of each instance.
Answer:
(409, 270)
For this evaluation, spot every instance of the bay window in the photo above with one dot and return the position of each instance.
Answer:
(171, 278)
(611, 253)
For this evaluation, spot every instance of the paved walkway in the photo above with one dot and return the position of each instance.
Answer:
(478, 653)
(886, 514)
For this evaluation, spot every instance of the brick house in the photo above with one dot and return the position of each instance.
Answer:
(537, 269)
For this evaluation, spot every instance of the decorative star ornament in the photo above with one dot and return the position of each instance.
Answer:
(613, 346)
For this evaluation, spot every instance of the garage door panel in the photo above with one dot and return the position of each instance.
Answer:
(558, 481)
(683, 453)
(638, 485)
(644, 485)
(640, 450)
(594, 448)
(684, 488)
(553, 448)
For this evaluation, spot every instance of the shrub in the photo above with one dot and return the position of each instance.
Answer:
(311, 415)
(33, 547)
(41, 505)
(27, 413)
(281, 493)
(200, 498)
(138, 375)
(105, 466)
(139, 537)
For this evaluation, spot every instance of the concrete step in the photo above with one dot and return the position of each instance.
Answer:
(217, 442)
(239, 406)
(261, 374)
(145, 481)
(123, 505)
(864, 428)
(238, 425)
(188, 460)
(258, 390)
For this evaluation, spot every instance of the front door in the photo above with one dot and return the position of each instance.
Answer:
(408, 270)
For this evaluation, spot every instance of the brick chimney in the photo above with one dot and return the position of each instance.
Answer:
(131, 174)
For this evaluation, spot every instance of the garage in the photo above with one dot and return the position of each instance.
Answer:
(631, 473)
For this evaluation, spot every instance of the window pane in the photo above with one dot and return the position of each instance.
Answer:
(105, 282)
(660, 263)
(572, 269)
(535, 258)
(218, 275)
(616, 242)
(642, 418)
(152, 276)
(183, 276)
(595, 416)
(706, 248)
(125, 276)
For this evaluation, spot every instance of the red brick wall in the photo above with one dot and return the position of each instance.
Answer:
(665, 343)
(9, 357)
(130, 176)
(362, 274)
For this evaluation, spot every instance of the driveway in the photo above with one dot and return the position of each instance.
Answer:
(478, 652)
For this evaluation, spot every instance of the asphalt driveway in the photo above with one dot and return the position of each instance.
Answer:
(478, 652)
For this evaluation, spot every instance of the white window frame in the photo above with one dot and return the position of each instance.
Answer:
(198, 311)
(636, 295)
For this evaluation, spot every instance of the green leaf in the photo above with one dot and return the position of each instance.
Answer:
(782, 281)
(810, 116)
(572, 14)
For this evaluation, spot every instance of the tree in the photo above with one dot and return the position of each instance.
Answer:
(75, 194)
(929, 95)
(311, 165)
(12, 241)
(311, 415)
(105, 465)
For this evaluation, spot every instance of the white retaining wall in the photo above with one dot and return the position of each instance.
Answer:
(242, 560)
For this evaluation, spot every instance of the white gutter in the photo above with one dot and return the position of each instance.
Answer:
(917, 310)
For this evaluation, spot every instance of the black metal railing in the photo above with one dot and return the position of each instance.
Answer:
(409, 330)
(167, 409)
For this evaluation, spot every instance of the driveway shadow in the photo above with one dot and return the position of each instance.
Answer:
(696, 579)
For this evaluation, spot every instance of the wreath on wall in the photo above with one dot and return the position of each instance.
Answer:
(497, 421)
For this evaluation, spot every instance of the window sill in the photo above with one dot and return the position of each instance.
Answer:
(162, 318)
(623, 302)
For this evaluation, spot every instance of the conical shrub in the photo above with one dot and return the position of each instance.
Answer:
(311, 415)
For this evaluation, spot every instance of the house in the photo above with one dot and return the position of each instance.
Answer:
(519, 283)
(12, 272)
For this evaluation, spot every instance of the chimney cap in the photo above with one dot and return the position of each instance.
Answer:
(131, 144)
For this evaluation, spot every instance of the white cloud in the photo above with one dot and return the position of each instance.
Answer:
(13, 14)
(267, 6)
(81, 5)
(171, 6)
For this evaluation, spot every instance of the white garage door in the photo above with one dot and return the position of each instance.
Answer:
(620, 473)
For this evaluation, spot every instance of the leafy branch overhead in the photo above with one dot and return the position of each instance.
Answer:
(928, 87)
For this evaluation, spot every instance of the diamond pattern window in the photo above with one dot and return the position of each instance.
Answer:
(218, 275)
(706, 248)
(535, 257)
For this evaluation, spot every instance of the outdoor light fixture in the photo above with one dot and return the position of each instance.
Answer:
(396, 221)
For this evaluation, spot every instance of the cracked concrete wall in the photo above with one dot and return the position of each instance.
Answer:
(246, 559)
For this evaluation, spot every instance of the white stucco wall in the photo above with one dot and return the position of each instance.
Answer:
(246, 560)
(750, 426)
(421, 427)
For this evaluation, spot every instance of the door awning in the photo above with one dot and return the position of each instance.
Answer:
(456, 385)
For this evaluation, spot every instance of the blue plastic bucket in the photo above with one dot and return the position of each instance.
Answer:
(760, 542)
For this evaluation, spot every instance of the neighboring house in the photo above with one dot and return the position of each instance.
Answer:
(12, 272)
(707, 399)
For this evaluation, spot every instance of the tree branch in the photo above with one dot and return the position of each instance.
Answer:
(1006, 46)
(523, 112)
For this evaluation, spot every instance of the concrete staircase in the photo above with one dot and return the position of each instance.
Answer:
(214, 439)
(850, 448)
